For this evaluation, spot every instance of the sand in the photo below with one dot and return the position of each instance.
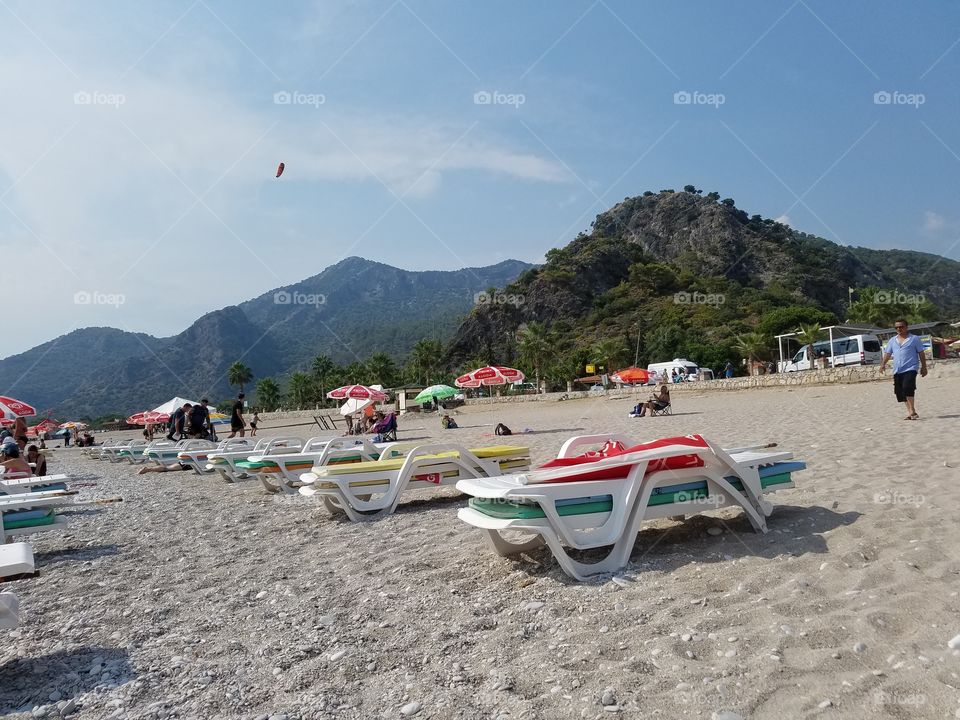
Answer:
(197, 599)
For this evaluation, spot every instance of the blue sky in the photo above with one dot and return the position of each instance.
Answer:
(140, 141)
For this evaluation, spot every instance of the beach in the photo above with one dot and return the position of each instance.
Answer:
(194, 598)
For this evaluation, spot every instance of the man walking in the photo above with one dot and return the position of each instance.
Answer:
(237, 425)
(908, 356)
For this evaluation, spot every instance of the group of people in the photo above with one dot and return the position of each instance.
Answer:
(193, 422)
(16, 461)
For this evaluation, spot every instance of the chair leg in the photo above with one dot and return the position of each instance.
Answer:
(506, 548)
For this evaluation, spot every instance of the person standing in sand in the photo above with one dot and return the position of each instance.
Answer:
(908, 356)
(236, 418)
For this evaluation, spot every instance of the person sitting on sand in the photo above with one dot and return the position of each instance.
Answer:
(39, 461)
(10, 459)
(656, 402)
(448, 423)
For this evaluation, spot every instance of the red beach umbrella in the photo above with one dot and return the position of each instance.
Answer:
(357, 392)
(490, 375)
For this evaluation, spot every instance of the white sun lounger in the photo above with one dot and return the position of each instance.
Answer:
(370, 489)
(16, 559)
(281, 472)
(198, 458)
(584, 502)
(40, 504)
(225, 463)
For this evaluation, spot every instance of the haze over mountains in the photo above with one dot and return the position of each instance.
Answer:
(348, 311)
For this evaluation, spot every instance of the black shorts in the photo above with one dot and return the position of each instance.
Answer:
(235, 427)
(905, 385)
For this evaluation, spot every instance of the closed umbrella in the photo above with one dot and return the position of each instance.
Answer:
(490, 375)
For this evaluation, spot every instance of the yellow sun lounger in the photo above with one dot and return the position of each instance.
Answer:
(371, 489)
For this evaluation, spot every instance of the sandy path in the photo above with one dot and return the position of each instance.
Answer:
(197, 599)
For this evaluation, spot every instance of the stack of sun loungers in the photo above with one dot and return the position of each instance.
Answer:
(15, 559)
(599, 498)
(373, 488)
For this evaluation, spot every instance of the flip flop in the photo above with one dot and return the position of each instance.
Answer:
(914, 417)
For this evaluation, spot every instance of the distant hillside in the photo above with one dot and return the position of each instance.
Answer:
(678, 273)
(348, 311)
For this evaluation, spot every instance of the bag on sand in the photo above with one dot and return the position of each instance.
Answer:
(503, 430)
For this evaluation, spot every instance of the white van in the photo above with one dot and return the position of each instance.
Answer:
(853, 350)
(664, 371)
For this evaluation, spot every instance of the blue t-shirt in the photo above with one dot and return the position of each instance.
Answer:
(906, 357)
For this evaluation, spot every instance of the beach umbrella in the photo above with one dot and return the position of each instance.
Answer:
(11, 408)
(136, 419)
(357, 392)
(43, 426)
(490, 375)
(219, 418)
(73, 425)
(630, 376)
(354, 405)
(435, 392)
(153, 416)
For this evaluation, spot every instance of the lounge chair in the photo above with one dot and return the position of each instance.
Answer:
(131, 451)
(31, 512)
(371, 489)
(225, 463)
(18, 483)
(166, 452)
(599, 499)
(198, 458)
(385, 429)
(109, 447)
(282, 472)
(16, 559)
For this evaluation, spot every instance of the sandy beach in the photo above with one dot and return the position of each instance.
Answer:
(197, 599)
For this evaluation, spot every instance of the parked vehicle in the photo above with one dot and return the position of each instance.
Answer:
(664, 371)
(853, 350)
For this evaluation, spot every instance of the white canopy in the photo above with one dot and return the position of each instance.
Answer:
(354, 405)
(171, 405)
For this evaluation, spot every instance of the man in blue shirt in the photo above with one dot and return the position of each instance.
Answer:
(908, 356)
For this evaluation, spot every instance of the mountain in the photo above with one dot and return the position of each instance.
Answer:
(348, 311)
(678, 273)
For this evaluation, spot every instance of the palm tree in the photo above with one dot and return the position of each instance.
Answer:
(300, 389)
(239, 374)
(425, 356)
(268, 394)
(808, 335)
(610, 352)
(566, 368)
(752, 345)
(535, 347)
(323, 368)
(382, 369)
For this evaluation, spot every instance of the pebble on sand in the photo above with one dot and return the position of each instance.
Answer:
(860, 647)
(411, 708)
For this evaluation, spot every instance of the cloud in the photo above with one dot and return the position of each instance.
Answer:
(933, 222)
